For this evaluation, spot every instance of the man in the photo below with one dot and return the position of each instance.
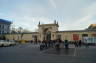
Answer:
(66, 44)
(57, 45)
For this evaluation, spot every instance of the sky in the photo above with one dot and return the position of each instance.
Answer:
(70, 14)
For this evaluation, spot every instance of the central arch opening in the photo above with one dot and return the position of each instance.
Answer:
(47, 34)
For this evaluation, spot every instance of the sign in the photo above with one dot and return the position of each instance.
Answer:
(75, 37)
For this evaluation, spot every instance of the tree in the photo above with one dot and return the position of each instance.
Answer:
(20, 29)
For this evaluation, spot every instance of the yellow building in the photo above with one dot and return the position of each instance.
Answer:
(51, 32)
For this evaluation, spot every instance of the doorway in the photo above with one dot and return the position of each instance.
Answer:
(48, 36)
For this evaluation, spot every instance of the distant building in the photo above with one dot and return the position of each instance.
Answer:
(4, 26)
(92, 27)
(51, 32)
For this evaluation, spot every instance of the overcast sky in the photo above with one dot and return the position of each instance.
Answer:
(70, 14)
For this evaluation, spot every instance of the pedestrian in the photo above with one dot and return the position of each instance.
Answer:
(45, 42)
(57, 45)
(80, 43)
(66, 44)
(76, 43)
(41, 46)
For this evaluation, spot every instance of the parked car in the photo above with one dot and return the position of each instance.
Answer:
(12, 43)
(7, 43)
(4, 43)
(1, 43)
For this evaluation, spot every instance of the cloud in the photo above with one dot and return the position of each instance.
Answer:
(88, 14)
(31, 23)
(72, 14)
(53, 3)
(80, 19)
(91, 10)
(83, 20)
(79, 24)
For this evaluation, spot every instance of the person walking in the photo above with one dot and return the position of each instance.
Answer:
(57, 46)
(66, 44)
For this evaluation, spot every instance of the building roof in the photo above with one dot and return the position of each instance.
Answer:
(48, 25)
(76, 31)
(93, 25)
(4, 21)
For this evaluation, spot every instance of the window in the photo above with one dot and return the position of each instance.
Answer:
(84, 35)
(58, 36)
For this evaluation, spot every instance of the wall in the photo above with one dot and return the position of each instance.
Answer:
(18, 37)
(64, 35)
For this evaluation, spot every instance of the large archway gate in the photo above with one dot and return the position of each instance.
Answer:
(47, 31)
(47, 34)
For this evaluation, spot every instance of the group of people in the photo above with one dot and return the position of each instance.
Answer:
(47, 44)
(55, 44)
(78, 43)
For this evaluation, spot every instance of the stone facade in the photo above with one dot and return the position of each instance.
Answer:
(50, 32)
